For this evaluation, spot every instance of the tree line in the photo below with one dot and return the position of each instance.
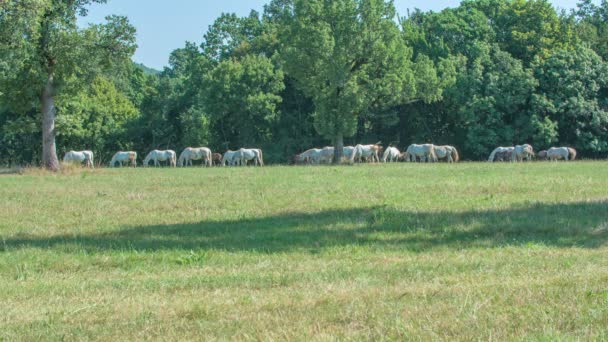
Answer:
(307, 73)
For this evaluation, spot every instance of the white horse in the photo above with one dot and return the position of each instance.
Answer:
(228, 158)
(448, 153)
(244, 155)
(161, 156)
(79, 157)
(121, 157)
(425, 152)
(523, 152)
(499, 150)
(565, 153)
(347, 152)
(391, 155)
(366, 151)
(312, 156)
(327, 155)
(190, 153)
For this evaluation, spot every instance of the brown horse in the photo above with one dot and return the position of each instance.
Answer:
(367, 152)
(217, 159)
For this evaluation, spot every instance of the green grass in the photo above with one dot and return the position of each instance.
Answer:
(424, 252)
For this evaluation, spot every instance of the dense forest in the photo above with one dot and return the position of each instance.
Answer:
(308, 73)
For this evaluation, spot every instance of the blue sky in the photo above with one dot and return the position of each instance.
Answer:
(163, 26)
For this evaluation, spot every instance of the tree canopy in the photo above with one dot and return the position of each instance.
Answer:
(308, 73)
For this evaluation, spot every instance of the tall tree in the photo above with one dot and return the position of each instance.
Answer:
(592, 27)
(574, 90)
(494, 98)
(45, 53)
(242, 97)
(95, 119)
(349, 58)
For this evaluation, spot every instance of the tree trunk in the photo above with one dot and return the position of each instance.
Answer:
(338, 148)
(49, 152)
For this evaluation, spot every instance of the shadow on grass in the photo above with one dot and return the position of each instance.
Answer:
(582, 224)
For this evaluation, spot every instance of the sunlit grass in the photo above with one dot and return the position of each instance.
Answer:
(468, 251)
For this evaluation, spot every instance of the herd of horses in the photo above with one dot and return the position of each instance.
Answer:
(241, 157)
(374, 153)
(526, 152)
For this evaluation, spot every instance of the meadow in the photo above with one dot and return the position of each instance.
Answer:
(473, 251)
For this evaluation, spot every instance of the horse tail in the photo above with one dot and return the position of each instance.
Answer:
(181, 159)
(572, 153)
(493, 155)
(352, 155)
(147, 160)
(261, 157)
(455, 155)
(385, 155)
(434, 155)
(173, 159)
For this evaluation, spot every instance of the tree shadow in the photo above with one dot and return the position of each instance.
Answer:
(582, 224)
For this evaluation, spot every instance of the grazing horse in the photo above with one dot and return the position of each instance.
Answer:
(501, 149)
(229, 158)
(565, 153)
(79, 157)
(161, 156)
(216, 158)
(542, 155)
(312, 156)
(121, 157)
(366, 151)
(347, 152)
(447, 153)
(327, 155)
(189, 154)
(425, 152)
(523, 152)
(503, 156)
(244, 155)
(391, 155)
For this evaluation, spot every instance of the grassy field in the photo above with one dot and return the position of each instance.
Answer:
(455, 252)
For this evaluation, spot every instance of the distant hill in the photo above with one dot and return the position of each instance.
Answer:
(147, 70)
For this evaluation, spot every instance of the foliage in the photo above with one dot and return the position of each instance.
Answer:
(305, 74)
(574, 85)
(95, 119)
(496, 92)
(348, 57)
(242, 98)
(45, 54)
